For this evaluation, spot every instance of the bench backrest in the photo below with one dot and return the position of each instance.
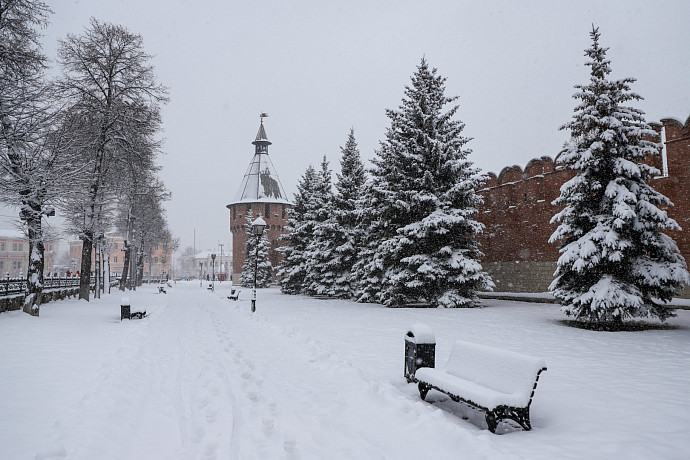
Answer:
(501, 370)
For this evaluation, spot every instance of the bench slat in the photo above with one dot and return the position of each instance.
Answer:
(505, 372)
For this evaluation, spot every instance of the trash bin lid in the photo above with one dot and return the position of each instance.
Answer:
(125, 301)
(420, 333)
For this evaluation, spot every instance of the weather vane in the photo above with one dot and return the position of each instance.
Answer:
(263, 115)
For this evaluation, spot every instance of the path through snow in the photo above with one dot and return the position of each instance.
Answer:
(201, 377)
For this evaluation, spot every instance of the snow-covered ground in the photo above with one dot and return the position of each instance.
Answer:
(202, 378)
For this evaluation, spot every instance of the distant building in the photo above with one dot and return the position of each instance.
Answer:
(263, 194)
(14, 254)
(157, 263)
(116, 244)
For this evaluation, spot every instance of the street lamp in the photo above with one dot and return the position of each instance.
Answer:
(213, 272)
(201, 274)
(258, 227)
(220, 267)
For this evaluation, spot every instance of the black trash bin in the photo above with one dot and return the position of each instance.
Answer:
(420, 349)
(125, 308)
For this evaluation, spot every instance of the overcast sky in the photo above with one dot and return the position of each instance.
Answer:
(320, 67)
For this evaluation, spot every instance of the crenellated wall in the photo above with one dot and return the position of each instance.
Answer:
(517, 211)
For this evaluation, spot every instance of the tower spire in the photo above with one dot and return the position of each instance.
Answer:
(261, 183)
(261, 142)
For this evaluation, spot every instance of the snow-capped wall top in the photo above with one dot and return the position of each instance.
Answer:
(261, 183)
(511, 174)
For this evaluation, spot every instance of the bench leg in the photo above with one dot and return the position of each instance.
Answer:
(423, 389)
(522, 417)
(517, 414)
(491, 421)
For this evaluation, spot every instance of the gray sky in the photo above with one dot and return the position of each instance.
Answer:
(321, 67)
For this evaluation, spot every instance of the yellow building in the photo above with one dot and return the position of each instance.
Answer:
(157, 263)
(14, 254)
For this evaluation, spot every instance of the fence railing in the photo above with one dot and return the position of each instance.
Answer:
(11, 286)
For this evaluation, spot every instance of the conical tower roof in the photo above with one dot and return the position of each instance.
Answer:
(261, 183)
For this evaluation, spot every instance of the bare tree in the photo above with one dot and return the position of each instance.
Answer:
(31, 166)
(143, 221)
(108, 78)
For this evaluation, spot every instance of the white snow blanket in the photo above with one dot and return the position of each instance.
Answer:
(487, 376)
(310, 379)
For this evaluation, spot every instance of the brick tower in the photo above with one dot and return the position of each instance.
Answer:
(263, 194)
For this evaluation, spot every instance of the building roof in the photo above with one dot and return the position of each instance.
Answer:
(12, 234)
(261, 183)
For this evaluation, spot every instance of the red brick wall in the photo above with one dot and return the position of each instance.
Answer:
(517, 210)
(276, 220)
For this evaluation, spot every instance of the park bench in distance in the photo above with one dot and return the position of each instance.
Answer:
(234, 294)
(498, 382)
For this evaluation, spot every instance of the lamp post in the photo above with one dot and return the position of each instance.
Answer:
(258, 227)
(220, 267)
(201, 274)
(213, 272)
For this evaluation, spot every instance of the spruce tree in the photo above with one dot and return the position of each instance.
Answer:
(346, 241)
(299, 233)
(260, 260)
(422, 205)
(615, 263)
(367, 271)
(320, 272)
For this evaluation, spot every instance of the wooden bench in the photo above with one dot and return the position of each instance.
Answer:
(234, 294)
(498, 382)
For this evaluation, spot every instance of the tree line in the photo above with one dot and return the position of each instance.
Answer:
(405, 232)
(85, 142)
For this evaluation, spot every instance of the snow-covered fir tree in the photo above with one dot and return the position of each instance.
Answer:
(300, 231)
(337, 239)
(615, 262)
(320, 275)
(367, 271)
(422, 204)
(260, 260)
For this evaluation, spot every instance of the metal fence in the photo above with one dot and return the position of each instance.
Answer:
(11, 286)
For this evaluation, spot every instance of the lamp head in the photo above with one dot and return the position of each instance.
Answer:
(258, 226)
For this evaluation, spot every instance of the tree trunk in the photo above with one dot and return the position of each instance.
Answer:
(34, 278)
(97, 272)
(125, 269)
(140, 268)
(85, 280)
